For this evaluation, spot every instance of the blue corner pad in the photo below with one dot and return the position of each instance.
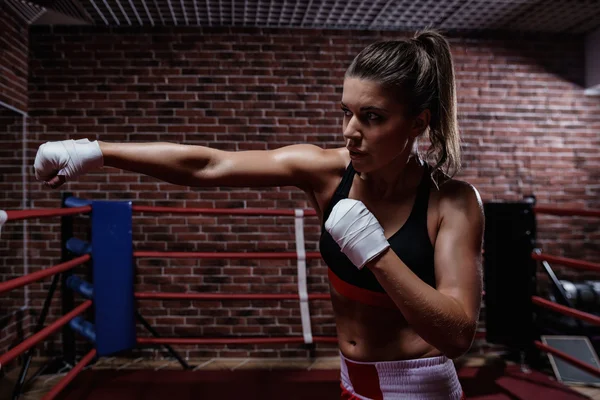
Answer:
(84, 328)
(112, 258)
(80, 286)
(78, 246)
(72, 202)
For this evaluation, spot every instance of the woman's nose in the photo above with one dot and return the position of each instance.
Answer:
(352, 130)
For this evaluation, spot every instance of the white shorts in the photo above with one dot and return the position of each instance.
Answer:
(419, 379)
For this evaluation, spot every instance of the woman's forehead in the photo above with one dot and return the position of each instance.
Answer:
(363, 92)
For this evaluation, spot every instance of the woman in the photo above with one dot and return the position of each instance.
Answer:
(402, 239)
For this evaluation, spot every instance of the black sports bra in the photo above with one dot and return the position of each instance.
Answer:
(411, 244)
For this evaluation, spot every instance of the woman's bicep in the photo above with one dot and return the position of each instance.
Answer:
(458, 248)
(296, 165)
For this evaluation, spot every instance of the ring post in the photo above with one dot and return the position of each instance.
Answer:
(112, 255)
(67, 301)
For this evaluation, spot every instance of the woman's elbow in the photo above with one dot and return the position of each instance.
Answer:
(461, 344)
(458, 349)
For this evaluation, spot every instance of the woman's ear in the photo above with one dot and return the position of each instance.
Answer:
(420, 123)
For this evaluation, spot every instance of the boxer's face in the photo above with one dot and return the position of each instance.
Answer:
(376, 128)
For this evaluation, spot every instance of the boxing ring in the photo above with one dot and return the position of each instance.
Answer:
(112, 299)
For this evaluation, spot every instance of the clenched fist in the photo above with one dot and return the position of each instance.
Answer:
(58, 162)
(356, 230)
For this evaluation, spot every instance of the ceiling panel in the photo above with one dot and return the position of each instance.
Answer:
(552, 16)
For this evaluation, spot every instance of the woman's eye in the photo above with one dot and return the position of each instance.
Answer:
(346, 112)
(372, 116)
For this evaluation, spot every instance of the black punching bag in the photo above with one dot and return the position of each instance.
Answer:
(509, 274)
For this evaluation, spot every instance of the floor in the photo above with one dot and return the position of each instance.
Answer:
(484, 377)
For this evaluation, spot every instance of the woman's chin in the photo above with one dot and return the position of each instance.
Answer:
(359, 160)
(362, 167)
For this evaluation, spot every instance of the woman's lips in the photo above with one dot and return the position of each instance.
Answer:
(354, 154)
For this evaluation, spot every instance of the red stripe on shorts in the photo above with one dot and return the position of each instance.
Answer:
(364, 379)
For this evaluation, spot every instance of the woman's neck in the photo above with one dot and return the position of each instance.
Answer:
(393, 180)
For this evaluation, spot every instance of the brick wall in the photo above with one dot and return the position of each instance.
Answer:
(14, 319)
(527, 129)
(13, 58)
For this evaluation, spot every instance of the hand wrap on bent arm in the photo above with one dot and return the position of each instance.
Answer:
(356, 230)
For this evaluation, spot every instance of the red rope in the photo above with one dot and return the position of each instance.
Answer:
(14, 215)
(219, 256)
(224, 296)
(220, 211)
(566, 211)
(591, 318)
(242, 340)
(38, 275)
(70, 376)
(43, 334)
(584, 366)
(568, 262)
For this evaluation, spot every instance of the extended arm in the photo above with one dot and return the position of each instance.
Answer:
(202, 166)
(299, 165)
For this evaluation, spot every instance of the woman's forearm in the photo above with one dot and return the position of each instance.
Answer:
(436, 317)
(170, 162)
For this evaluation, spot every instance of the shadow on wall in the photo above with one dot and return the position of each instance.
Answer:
(560, 55)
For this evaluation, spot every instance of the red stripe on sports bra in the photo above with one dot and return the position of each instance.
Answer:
(359, 294)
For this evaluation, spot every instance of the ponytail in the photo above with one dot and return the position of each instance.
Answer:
(443, 127)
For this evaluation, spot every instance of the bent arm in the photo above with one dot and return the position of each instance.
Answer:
(445, 316)
(189, 165)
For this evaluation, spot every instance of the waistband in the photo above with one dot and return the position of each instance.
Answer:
(429, 378)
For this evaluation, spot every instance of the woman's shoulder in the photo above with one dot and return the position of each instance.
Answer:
(318, 156)
(315, 157)
(320, 166)
(456, 195)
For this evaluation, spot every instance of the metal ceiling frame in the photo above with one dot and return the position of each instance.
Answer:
(539, 16)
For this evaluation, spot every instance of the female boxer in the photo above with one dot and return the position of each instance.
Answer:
(401, 237)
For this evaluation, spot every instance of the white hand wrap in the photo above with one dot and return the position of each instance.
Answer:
(356, 231)
(3, 218)
(70, 158)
